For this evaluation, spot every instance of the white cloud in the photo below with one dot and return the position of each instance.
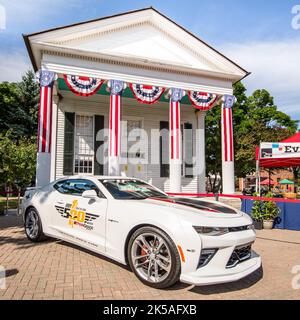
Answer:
(13, 66)
(275, 66)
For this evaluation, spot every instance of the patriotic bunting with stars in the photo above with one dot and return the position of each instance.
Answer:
(146, 94)
(202, 100)
(83, 86)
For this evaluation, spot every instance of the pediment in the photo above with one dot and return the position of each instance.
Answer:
(144, 36)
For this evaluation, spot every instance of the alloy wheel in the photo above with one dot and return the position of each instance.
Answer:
(31, 225)
(151, 257)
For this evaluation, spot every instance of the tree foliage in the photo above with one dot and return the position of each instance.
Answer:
(255, 119)
(17, 160)
(19, 107)
(18, 131)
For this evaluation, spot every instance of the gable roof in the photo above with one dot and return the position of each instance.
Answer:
(27, 37)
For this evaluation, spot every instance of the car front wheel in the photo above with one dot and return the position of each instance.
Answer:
(153, 257)
(33, 226)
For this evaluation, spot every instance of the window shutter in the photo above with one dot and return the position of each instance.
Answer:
(164, 149)
(69, 143)
(98, 142)
(188, 150)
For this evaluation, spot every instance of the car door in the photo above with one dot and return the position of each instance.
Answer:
(78, 219)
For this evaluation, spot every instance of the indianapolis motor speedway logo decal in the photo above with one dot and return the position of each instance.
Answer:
(77, 216)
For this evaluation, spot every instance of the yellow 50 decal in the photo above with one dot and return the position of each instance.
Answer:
(77, 216)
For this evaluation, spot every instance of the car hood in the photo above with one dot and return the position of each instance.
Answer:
(200, 206)
(195, 210)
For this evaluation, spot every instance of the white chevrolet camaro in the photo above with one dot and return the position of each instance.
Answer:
(164, 239)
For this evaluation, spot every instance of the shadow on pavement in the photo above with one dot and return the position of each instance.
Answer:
(11, 272)
(19, 238)
(244, 283)
(94, 254)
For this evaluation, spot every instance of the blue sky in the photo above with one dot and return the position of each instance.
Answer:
(256, 34)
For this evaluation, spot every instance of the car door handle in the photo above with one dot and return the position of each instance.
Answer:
(60, 202)
(111, 220)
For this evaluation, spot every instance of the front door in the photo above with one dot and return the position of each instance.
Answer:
(79, 219)
(136, 152)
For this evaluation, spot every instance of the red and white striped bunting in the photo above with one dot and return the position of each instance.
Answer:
(146, 94)
(175, 129)
(202, 100)
(227, 133)
(114, 125)
(83, 86)
(45, 119)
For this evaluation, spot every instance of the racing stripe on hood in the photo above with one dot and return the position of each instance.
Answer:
(198, 204)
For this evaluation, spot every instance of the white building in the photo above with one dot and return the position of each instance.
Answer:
(92, 75)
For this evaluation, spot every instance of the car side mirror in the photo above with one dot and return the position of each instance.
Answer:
(89, 194)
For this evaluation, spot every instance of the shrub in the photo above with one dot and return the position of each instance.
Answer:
(270, 211)
(256, 211)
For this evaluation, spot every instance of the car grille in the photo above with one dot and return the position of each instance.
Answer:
(236, 229)
(239, 254)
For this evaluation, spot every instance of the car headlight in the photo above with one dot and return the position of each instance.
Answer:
(251, 227)
(211, 231)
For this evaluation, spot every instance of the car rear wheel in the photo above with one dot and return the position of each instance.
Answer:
(153, 257)
(33, 226)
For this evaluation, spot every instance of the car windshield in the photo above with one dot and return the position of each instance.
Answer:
(131, 189)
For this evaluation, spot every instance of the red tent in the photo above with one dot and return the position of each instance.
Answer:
(267, 182)
(280, 162)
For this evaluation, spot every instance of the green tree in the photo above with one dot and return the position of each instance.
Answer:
(255, 119)
(28, 99)
(8, 105)
(17, 160)
(19, 107)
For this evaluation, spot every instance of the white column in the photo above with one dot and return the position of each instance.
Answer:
(175, 148)
(45, 121)
(228, 181)
(200, 151)
(116, 88)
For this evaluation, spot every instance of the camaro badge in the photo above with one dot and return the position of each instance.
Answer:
(77, 216)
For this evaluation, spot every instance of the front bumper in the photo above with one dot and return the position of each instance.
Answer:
(221, 268)
(214, 275)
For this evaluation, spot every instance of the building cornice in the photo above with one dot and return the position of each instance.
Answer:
(136, 63)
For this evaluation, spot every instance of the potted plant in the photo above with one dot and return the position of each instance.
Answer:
(270, 212)
(256, 214)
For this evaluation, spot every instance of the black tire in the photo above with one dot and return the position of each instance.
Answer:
(38, 235)
(175, 268)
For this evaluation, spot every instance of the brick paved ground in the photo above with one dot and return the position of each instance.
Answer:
(57, 270)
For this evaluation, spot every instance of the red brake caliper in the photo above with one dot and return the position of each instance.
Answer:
(144, 251)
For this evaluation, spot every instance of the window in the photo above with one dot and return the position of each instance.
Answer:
(76, 187)
(187, 150)
(136, 125)
(164, 149)
(131, 189)
(84, 144)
